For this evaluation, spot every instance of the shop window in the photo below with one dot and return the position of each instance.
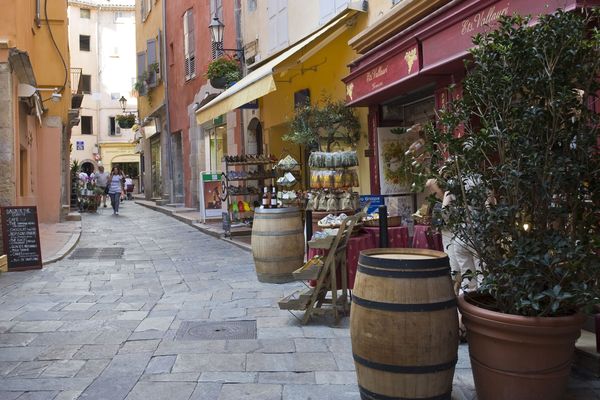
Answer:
(115, 95)
(86, 83)
(84, 42)
(85, 13)
(86, 125)
(189, 48)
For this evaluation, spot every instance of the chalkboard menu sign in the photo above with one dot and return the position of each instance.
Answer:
(21, 238)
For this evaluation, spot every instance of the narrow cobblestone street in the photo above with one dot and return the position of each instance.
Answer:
(106, 323)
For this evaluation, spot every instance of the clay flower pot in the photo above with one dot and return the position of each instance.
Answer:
(516, 357)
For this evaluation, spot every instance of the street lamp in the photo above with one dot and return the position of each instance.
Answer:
(123, 102)
(216, 28)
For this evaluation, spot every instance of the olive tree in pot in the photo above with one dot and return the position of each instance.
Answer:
(526, 183)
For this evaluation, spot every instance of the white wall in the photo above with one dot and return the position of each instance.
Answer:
(111, 64)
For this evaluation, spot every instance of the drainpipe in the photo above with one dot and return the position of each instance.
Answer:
(239, 45)
(168, 115)
(38, 20)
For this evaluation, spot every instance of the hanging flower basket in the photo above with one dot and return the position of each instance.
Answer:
(126, 121)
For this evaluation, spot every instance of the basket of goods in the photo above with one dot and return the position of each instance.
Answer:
(373, 220)
(423, 215)
(287, 163)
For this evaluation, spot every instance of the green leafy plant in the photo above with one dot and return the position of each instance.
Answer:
(226, 68)
(323, 125)
(526, 173)
(125, 121)
(74, 167)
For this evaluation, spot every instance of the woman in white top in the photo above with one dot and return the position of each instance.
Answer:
(116, 182)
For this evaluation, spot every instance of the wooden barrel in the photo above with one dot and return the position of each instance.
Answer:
(277, 243)
(404, 325)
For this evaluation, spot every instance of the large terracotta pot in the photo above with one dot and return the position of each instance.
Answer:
(515, 357)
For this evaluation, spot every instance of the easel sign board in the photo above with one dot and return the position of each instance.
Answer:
(210, 202)
(21, 237)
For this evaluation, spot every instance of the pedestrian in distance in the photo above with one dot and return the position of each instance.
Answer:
(116, 180)
(101, 182)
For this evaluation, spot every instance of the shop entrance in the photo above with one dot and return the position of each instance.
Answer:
(155, 177)
(255, 139)
(218, 146)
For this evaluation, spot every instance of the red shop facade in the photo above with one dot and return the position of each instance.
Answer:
(406, 78)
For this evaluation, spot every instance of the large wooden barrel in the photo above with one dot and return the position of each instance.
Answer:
(404, 325)
(277, 243)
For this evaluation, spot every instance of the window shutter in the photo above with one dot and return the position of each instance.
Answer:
(327, 9)
(159, 55)
(340, 5)
(282, 24)
(277, 15)
(189, 45)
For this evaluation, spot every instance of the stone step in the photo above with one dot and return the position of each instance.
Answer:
(587, 357)
(73, 216)
(183, 210)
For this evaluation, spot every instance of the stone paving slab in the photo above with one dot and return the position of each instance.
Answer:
(107, 329)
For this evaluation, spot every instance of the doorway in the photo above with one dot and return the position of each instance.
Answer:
(255, 139)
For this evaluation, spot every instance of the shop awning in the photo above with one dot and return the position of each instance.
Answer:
(261, 81)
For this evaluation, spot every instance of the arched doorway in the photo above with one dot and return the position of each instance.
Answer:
(88, 167)
(255, 139)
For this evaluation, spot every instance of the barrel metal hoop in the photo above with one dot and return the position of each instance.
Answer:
(423, 307)
(278, 259)
(366, 259)
(405, 369)
(366, 269)
(282, 233)
(368, 395)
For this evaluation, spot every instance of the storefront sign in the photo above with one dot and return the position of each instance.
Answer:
(388, 72)
(453, 41)
(21, 237)
(373, 201)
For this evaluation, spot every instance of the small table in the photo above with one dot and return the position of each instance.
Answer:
(420, 240)
(356, 244)
(397, 235)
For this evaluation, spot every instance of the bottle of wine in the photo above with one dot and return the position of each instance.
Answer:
(273, 197)
(265, 199)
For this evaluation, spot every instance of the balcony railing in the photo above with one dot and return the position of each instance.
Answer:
(76, 81)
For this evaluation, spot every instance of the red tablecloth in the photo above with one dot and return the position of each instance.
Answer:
(420, 239)
(356, 244)
(397, 236)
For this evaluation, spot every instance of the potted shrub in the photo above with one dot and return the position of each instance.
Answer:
(126, 121)
(223, 72)
(525, 175)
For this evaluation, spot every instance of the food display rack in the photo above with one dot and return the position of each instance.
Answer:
(234, 188)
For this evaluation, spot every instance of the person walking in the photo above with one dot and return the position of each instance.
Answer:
(116, 182)
(101, 182)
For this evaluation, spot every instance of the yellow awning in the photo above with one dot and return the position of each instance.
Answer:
(261, 82)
